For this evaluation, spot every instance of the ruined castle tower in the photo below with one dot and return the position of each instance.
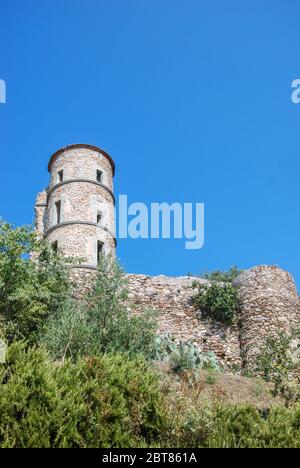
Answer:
(269, 302)
(75, 213)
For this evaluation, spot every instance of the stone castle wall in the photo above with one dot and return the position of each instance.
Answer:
(171, 297)
(269, 301)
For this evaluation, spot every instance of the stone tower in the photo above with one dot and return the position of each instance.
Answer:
(269, 302)
(75, 213)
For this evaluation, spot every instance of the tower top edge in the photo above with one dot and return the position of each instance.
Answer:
(81, 145)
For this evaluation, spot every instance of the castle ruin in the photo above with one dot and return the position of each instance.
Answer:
(76, 215)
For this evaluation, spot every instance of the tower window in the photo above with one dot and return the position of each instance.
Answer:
(60, 176)
(99, 176)
(58, 211)
(55, 246)
(99, 217)
(100, 250)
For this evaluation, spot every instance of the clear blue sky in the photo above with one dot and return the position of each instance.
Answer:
(191, 99)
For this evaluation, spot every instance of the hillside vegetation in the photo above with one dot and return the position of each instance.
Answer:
(90, 373)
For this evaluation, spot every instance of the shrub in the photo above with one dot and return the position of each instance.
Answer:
(102, 323)
(183, 356)
(117, 402)
(30, 291)
(67, 333)
(278, 362)
(222, 276)
(108, 401)
(219, 301)
(246, 427)
(222, 425)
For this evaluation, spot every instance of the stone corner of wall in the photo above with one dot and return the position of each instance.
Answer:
(269, 302)
(273, 272)
(41, 197)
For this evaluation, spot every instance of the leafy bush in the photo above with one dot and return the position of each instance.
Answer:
(216, 300)
(237, 426)
(184, 356)
(30, 291)
(102, 323)
(108, 401)
(114, 401)
(279, 362)
(222, 276)
(67, 335)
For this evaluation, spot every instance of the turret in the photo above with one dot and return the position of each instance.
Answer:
(76, 212)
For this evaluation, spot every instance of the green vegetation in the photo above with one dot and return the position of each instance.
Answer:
(279, 362)
(222, 276)
(82, 373)
(102, 323)
(217, 300)
(117, 401)
(29, 291)
(108, 401)
(183, 356)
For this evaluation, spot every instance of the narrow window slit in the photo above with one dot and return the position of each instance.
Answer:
(99, 176)
(100, 250)
(58, 211)
(60, 176)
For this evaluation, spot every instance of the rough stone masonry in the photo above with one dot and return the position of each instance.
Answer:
(269, 302)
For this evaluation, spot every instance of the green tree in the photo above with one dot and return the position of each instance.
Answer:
(30, 290)
(102, 322)
(279, 362)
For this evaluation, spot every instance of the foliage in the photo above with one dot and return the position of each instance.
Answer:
(222, 276)
(108, 401)
(279, 362)
(102, 323)
(115, 401)
(30, 290)
(101, 391)
(220, 301)
(67, 334)
(236, 426)
(183, 356)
